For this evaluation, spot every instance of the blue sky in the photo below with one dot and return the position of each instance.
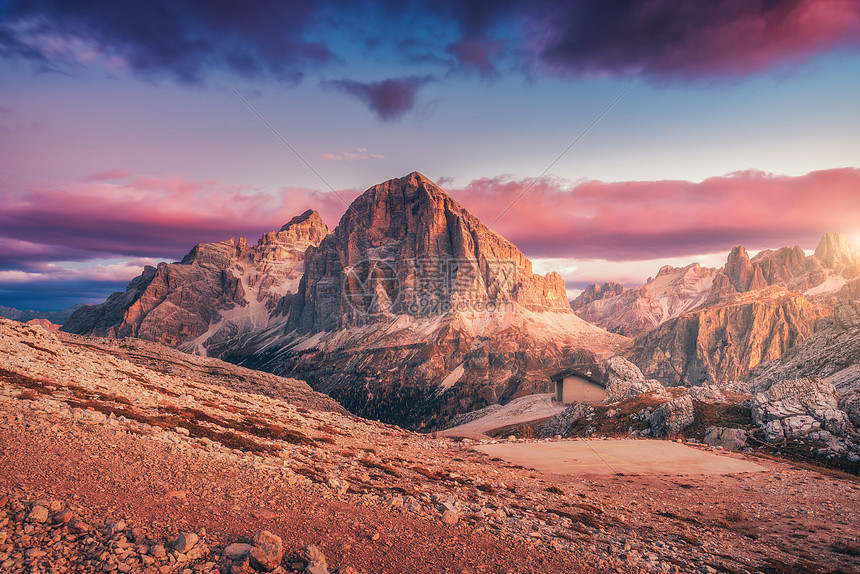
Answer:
(122, 143)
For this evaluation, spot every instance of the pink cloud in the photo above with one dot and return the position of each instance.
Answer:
(108, 175)
(143, 216)
(163, 217)
(649, 219)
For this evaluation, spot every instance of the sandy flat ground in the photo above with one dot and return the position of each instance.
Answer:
(606, 457)
(521, 410)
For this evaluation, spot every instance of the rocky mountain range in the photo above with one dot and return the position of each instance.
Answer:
(697, 325)
(830, 274)
(410, 311)
(219, 292)
(24, 315)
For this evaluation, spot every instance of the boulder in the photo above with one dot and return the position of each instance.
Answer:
(184, 542)
(729, 439)
(672, 417)
(706, 394)
(795, 408)
(38, 514)
(315, 560)
(624, 380)
(450, 517)
(237, 551)
(560, 424)
(267, 550)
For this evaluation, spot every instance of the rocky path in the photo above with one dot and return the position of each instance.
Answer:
(90, 438)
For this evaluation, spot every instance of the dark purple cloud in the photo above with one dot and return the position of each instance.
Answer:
(688, 40)
(477, 54)
(388, 99)
(182, 38)
(286, 39)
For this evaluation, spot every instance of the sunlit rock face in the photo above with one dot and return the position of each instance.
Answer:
(723, 341)
(412, 311)
(219, 292)
(831, 352)
(406, 247)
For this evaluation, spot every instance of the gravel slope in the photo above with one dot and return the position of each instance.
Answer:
(108, 439)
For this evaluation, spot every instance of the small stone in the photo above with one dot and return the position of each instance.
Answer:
(237, 551)
(316, 562)
(184, 542)
(450, 518)
(241, 567)
(34, 553)
(267, 550)
(79, 525)
(63, 516)
(38, 514)
(199, 551)
(117, 526)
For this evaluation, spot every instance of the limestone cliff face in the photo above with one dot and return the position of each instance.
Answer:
(791, 268)
(723, 341)
(831, 352)
(406, 247)
(595, 292)
(217, 292)
(836, 250)
(672, 292)
(743, 275)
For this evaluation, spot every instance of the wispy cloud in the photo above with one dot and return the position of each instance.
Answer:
(358, 154)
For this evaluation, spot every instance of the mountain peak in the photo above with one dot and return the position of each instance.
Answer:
(309, 215)
(837, 249)
(303, 230)
(744, 276)
(396, 239)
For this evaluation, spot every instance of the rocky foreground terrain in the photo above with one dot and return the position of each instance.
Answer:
(133, 460)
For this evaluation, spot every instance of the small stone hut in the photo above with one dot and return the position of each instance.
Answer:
(576, 385)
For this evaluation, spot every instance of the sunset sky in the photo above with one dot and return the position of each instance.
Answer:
(123, 144)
